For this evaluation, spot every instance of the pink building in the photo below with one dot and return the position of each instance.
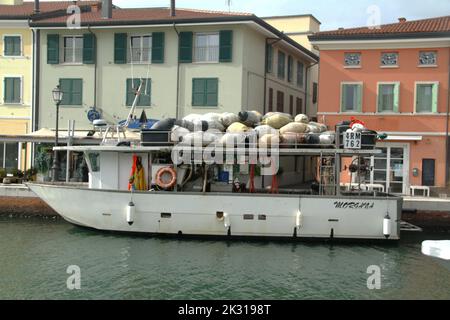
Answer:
(395, 78)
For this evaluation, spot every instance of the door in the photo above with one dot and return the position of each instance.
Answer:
(428, 172)
(390, 168)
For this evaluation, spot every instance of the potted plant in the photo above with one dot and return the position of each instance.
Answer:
(42, 161)
(30, 174)
(2, 174)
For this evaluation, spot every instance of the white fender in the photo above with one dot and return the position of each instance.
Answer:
(387, 226)
(131, 210)
(299, 219)
(226, 220)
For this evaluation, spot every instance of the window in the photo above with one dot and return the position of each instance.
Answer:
(388, 94)
(12, 90)
(205, 92)
(281, 65)
(140, 49)
(291, 105)
(270, 99)
(351, 97)
(315, 92)
(206, 47)
(300, 74)
(299, 106)
(73, 49)
(144, 99)
(12, 46)
(428, 58)
(389, 59)
(352, 59)
(280, 101)
(72, 91)
(269, 65)
(426, 97)
(290, 68)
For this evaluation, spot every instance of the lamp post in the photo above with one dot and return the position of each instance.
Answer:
(57, 98)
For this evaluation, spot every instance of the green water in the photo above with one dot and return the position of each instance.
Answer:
(35, 254)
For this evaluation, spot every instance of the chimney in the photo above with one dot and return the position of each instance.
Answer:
(106, 9)
(172, 8)
(402, 20)
(96, 7)
(36, 7)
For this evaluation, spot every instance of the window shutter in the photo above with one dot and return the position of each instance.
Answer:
(8, 46)
(359, 106)
(130, 93)
(158, 47)
(212, 90)
(185, 47)
(120, 48)
(144, 99)
(16, 90)
(269, 62)
(290, 61)
(198, 92)
(53, 49)
(89, 48)
(343, 97)
(434, 106)
(226, 46)
(396, 97)
(65, 88)
(77, 92)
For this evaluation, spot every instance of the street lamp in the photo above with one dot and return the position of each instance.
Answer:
(57, 98)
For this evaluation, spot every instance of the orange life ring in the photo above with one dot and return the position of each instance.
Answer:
(165, 183)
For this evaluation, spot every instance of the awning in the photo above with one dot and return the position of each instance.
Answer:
(403, 138)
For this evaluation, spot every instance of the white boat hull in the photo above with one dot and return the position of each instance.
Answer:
(210, 214)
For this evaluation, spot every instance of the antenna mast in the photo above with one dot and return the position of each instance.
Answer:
(229, 3)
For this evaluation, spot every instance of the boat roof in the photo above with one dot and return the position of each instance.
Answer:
(280, 151)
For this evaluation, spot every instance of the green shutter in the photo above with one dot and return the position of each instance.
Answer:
(158, 47)
(11, 90)
(360, 92)
(226, 46)
(120, 48)
(53, 49)
(396, 97)
(144, 99)
(12, 46)
(185, 47)
(290, 63)
(89, 48)
(434, 106)
(212, 92)
(72, 92)
(77, 92)
(343, 98)
(198, 92)
(281, 65)
(269, 62)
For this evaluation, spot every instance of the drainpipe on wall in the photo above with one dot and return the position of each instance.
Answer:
(178, 74)
(95, 68)
(447, 156)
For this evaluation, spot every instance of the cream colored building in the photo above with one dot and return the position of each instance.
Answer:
(196, 62)
(16, 56)
(299, 27)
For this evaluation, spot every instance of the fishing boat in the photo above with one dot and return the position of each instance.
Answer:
(161, 185)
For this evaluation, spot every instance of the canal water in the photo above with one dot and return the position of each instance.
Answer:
(36, 254)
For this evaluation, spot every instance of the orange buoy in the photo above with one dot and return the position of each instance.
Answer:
(166, 178)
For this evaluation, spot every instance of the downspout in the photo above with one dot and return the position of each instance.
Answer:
(178, 75)
(447, 156)
(36, 79)
(95, 68)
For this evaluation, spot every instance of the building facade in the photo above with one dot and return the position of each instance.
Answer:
(299, 27)
(193, 62)
(395, 79)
